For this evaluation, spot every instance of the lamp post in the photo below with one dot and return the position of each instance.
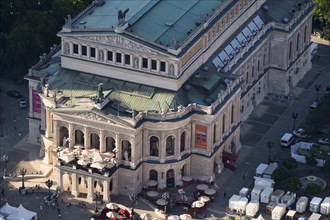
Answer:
(165, 196)
(133, 198)
(2, 121)
(270, 145)
(96, 197)
(22, 171)
(49, 184)
(294, 117)
(4, 158)
(317, 89)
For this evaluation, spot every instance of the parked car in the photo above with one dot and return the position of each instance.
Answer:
(324, 141)
(314, 105)
(22, 103)
(14, 94)
(301, 133)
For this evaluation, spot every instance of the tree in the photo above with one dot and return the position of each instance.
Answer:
(292, 183)
(310, 161)
(322, 14)
(313, 189)
(327, 165)
(290, 163)
(281, 173)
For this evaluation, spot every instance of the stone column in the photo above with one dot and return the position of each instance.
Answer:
(140, 62)
(133, 152)
(56, 133)
(158, 66)
(79, 49)
(105, 53)
(48, 132)
(149, 64)
(97, 54)
(90, 189)
(31, 113)
(122, 59)
(72, 141)
(167, 65)
(102, 142)
(87, 138)
(71, 48)
(106, 193)
(162, 148)
(177, 152)
(118, 147)
(88, 52)
(74, 179)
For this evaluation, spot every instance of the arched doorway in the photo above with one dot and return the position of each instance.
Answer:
(153, 175)
(154, 146)
(95, 141)
(110, 144)
(170, 179)
(64, 134)
(126, 150)
(79, 137)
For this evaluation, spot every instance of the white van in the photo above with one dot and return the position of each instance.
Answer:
(286, 140)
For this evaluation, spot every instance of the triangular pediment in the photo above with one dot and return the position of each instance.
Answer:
(120, 42)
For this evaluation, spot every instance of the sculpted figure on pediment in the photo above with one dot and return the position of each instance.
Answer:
(118, 41)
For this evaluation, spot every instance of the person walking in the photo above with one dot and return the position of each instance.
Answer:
(224, 194)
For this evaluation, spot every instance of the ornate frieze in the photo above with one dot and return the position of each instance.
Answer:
(118, 41)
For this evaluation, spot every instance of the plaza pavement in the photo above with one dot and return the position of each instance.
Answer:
(268, 122)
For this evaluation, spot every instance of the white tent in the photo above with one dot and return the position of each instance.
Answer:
(260, 217)
(22, 214)
(2, 217)
(7, 209)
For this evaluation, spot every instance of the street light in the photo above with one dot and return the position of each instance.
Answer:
(22, 171)
(317, 89)
(133, 198)
(165, 196)
(270, 145)
(96, 197)
(294, 117)
(4, 158)
(49, 183)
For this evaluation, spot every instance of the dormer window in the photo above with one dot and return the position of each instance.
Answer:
(153, 64)
(75, 48)
(92, 51)
(162, 66)
(84, 50)
(110, 56)
(127, 59)
(118, 57)
(144, 63)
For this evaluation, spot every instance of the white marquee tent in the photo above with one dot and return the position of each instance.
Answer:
(7, 209)
(22, 214)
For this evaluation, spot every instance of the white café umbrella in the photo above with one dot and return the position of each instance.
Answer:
(152, 183)
(197, 204)
(152, 193)
(203, 178)
(67, 158)
(112, 214)
(186, 178)
(111, 205)
(161, 202)
(186, 217)
(202, 187)
(83, 162)
(173, 217)
(210, 192)
(97, 165)
(145, 216)
(204, 198)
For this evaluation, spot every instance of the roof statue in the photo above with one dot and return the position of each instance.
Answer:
(99, 98)
(121, 15)
(68, 22)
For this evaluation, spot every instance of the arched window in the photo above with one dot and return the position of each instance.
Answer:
(183, 141)
(154, 146)
(214, 133)
(290, 50)
(153, 175)
(223, 123)
(232, 114)
(305, 34)
(126, 150)
(169, 146)
(298, 38)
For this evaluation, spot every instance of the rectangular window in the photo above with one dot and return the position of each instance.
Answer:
(84, 50)
(127, 59)
(110, 56)
(162, 66)
(153, 64)
(92, 51)
(118, 57)
(145, 63)
(75, 49)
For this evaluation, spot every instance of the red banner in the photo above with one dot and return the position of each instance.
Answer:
(36, 104)
(201, 136)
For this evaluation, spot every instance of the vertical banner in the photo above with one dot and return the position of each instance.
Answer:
(201, 136)
(36, 105)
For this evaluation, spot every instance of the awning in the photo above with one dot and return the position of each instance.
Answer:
(228, 156)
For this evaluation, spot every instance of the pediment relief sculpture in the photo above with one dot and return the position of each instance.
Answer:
(118, 41)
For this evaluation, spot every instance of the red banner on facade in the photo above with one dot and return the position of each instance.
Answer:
(201, 136)
(36, 105)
